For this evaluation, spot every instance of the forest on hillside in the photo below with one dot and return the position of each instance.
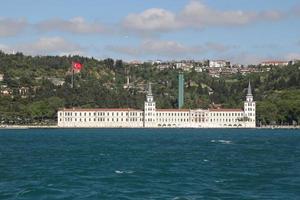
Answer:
(101, 84)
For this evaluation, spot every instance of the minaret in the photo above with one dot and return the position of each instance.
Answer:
(149, 109)
(250, 108)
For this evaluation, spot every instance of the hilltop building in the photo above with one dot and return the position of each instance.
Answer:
(219, 63)
(274, 63)
(151, 117)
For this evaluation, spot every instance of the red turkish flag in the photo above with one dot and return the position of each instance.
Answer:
(76, 66)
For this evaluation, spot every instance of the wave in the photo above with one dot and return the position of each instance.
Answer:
(124, 172)
(180, 198)
(221, 141)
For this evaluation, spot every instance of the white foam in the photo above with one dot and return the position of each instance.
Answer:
(124, 172)
(225, 141)
(222, 141)
(180, 198)
(219, 181)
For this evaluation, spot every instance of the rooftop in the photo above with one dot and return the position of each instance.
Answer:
(226, 110)
(173, 110)
(99, 109)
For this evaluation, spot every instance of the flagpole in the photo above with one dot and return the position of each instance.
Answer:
(72, 85)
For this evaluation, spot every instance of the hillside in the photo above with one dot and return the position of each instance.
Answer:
(33, 88)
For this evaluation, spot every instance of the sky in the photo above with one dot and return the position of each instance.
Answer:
(241, 31)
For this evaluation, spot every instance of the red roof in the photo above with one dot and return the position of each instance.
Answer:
(173, 110)
(98, 109)
(226, 110)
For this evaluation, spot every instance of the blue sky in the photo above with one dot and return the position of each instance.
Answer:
(242, 31)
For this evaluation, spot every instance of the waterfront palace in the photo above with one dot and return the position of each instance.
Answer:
(151, 117)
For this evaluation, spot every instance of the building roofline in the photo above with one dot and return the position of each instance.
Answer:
(173, 110)
(98, 109)
(226, 110)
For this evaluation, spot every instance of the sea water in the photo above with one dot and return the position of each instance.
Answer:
(174, 164)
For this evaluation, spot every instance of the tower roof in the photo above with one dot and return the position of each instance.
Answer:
(249, 89)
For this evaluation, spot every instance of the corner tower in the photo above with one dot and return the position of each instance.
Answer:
(149, 109)
(250, 108)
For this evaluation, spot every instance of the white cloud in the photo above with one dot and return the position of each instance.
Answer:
(198, 15)
(76, 25)
(194, 15)
(154, 19)
(12, 27)
(158, 48)
(169, 49)
(45, 46)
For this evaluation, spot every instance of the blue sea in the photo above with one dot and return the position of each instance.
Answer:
(171, 164)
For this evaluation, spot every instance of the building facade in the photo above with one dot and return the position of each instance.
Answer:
(219, 63)
(151, 117)
(274, 63)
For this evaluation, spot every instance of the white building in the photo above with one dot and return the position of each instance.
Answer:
(198, 69)
(151, 117)
(274, 63)
(184, 66)
(219, 63)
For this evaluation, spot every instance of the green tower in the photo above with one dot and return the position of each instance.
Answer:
(180, 90)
